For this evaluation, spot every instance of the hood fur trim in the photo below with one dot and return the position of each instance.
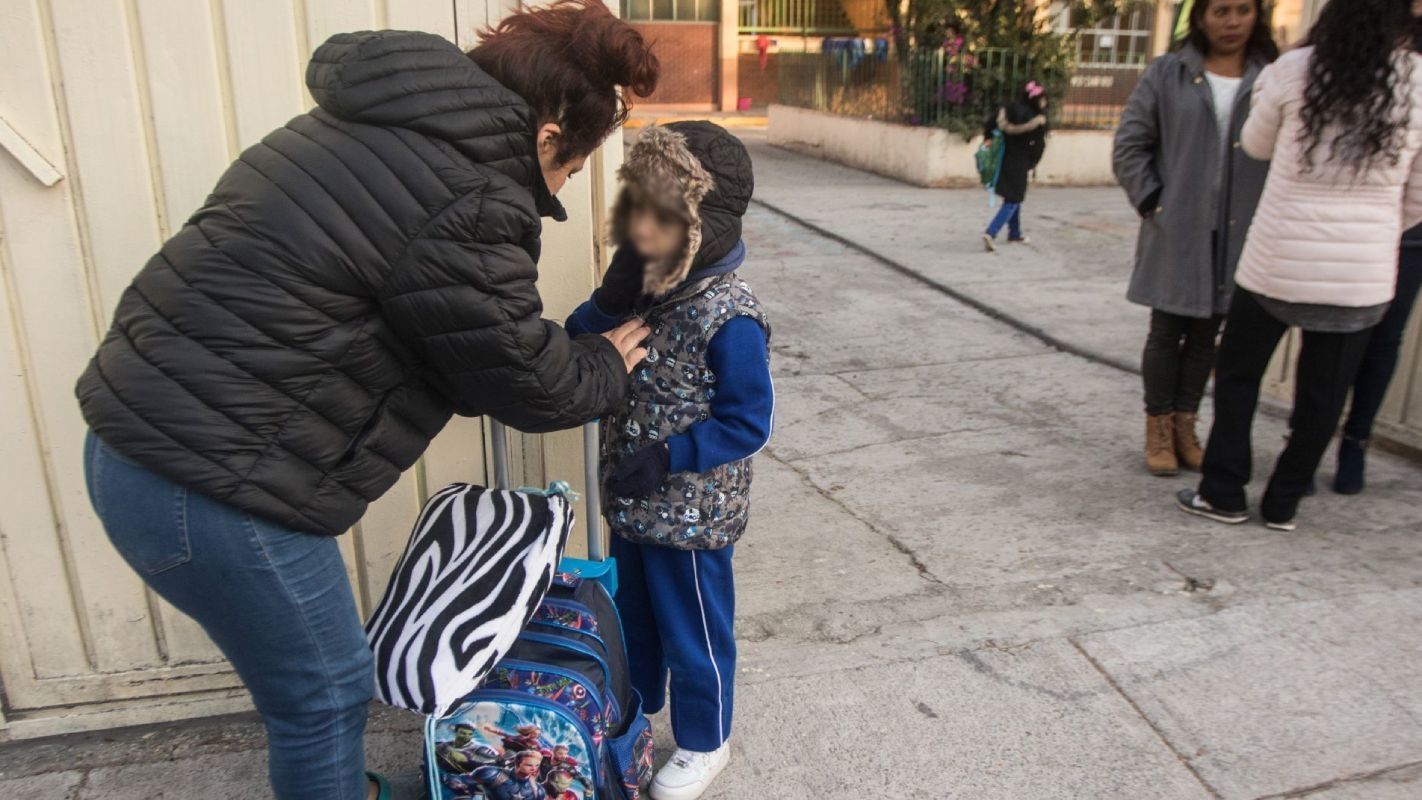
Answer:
(1013, 129)
(661, 166)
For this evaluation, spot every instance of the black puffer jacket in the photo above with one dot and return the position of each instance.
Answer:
(354, 278)
(1024, 131)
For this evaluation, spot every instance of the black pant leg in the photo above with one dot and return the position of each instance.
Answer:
(1160, 362)
(1328, 365)
(1380, 358)
(1197, 359)
(1250, 337)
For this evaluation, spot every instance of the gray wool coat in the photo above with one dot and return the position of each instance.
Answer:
(1166, 156)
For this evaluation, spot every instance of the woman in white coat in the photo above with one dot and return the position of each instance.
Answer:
(1341, 120)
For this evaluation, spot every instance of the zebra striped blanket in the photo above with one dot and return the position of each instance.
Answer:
(477, 565)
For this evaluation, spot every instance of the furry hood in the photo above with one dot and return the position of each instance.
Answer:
(1032, 123)
(701, 174)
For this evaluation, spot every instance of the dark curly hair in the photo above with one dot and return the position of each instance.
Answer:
(1261, 44)
(567, 61)
(1353, 75)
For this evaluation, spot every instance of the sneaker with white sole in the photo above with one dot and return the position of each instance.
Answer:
(1191, 502)
(989, 243)
(689, 773)
(1286, 525)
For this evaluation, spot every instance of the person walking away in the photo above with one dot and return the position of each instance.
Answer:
(1379, 365)
(676, 463)
(1024, 130)
(1340, 117)
(1177, 156)
(355, 278)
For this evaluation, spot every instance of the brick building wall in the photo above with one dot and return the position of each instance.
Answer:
(762, 86)
(688, 54)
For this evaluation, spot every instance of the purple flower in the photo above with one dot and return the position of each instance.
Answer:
(955, 92)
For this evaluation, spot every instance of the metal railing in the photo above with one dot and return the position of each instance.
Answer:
(938, 88)
(925, 87)
(798, 17)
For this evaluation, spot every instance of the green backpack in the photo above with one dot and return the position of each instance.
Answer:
(989, 158)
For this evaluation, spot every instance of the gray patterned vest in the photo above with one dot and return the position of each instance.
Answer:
(671, 391)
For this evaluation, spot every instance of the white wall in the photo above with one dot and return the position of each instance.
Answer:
(930, 156)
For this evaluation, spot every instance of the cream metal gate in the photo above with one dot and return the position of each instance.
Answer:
(116, 117)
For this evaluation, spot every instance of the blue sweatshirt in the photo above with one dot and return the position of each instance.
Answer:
(744, 405)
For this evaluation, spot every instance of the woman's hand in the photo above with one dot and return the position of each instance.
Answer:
(628, 338)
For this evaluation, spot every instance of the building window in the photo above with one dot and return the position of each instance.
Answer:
(671, 10)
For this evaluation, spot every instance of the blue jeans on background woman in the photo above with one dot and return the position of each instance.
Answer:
(275, 601)
(1010, 214)
(1380, 360)
(1375, 374)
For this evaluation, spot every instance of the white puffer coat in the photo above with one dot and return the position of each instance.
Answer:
(1326, 236)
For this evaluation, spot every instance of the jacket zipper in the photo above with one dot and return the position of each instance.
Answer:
(578, 647)
(580, 610)
(531, 667)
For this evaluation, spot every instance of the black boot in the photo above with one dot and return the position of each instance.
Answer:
(1352, 462)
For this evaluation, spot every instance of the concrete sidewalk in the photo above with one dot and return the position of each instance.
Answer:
(1070, 283)
(959, 582)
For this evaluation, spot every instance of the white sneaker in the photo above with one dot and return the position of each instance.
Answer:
(989, 243)
(689, 773)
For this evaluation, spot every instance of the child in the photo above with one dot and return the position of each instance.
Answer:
(1024, 129)
(676, 464)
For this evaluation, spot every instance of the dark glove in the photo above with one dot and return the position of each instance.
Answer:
(640, 473)
(622, 283)
(1151, 204)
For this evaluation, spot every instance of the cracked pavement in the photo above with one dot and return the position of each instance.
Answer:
(959, 582)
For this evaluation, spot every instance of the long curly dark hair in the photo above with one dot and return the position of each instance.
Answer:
(1351, 101)
(1261, 43)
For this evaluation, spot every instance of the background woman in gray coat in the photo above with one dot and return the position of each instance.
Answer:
(1177, 155)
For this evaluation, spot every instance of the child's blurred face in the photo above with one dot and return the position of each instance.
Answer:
(657, 236)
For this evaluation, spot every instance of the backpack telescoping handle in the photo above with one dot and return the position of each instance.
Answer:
(499, 444)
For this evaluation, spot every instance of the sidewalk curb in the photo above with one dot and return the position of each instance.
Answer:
(1267, 405)
(989, 311)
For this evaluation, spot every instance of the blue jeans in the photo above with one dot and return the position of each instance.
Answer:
(275, 601)
(1010, 215)
(678, 610)
(1380, 359)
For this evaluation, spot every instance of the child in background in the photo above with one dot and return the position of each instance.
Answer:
(676, 466)
(1024, 129)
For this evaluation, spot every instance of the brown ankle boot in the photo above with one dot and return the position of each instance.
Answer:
(1160, 445)
(1187, 444)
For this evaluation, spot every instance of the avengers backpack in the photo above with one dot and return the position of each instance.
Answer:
(514, 654)
(556, 718)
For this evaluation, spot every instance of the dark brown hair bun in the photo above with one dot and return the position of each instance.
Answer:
(567, 61)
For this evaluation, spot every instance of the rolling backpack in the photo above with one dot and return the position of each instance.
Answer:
(522, 675)
(557, 715)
